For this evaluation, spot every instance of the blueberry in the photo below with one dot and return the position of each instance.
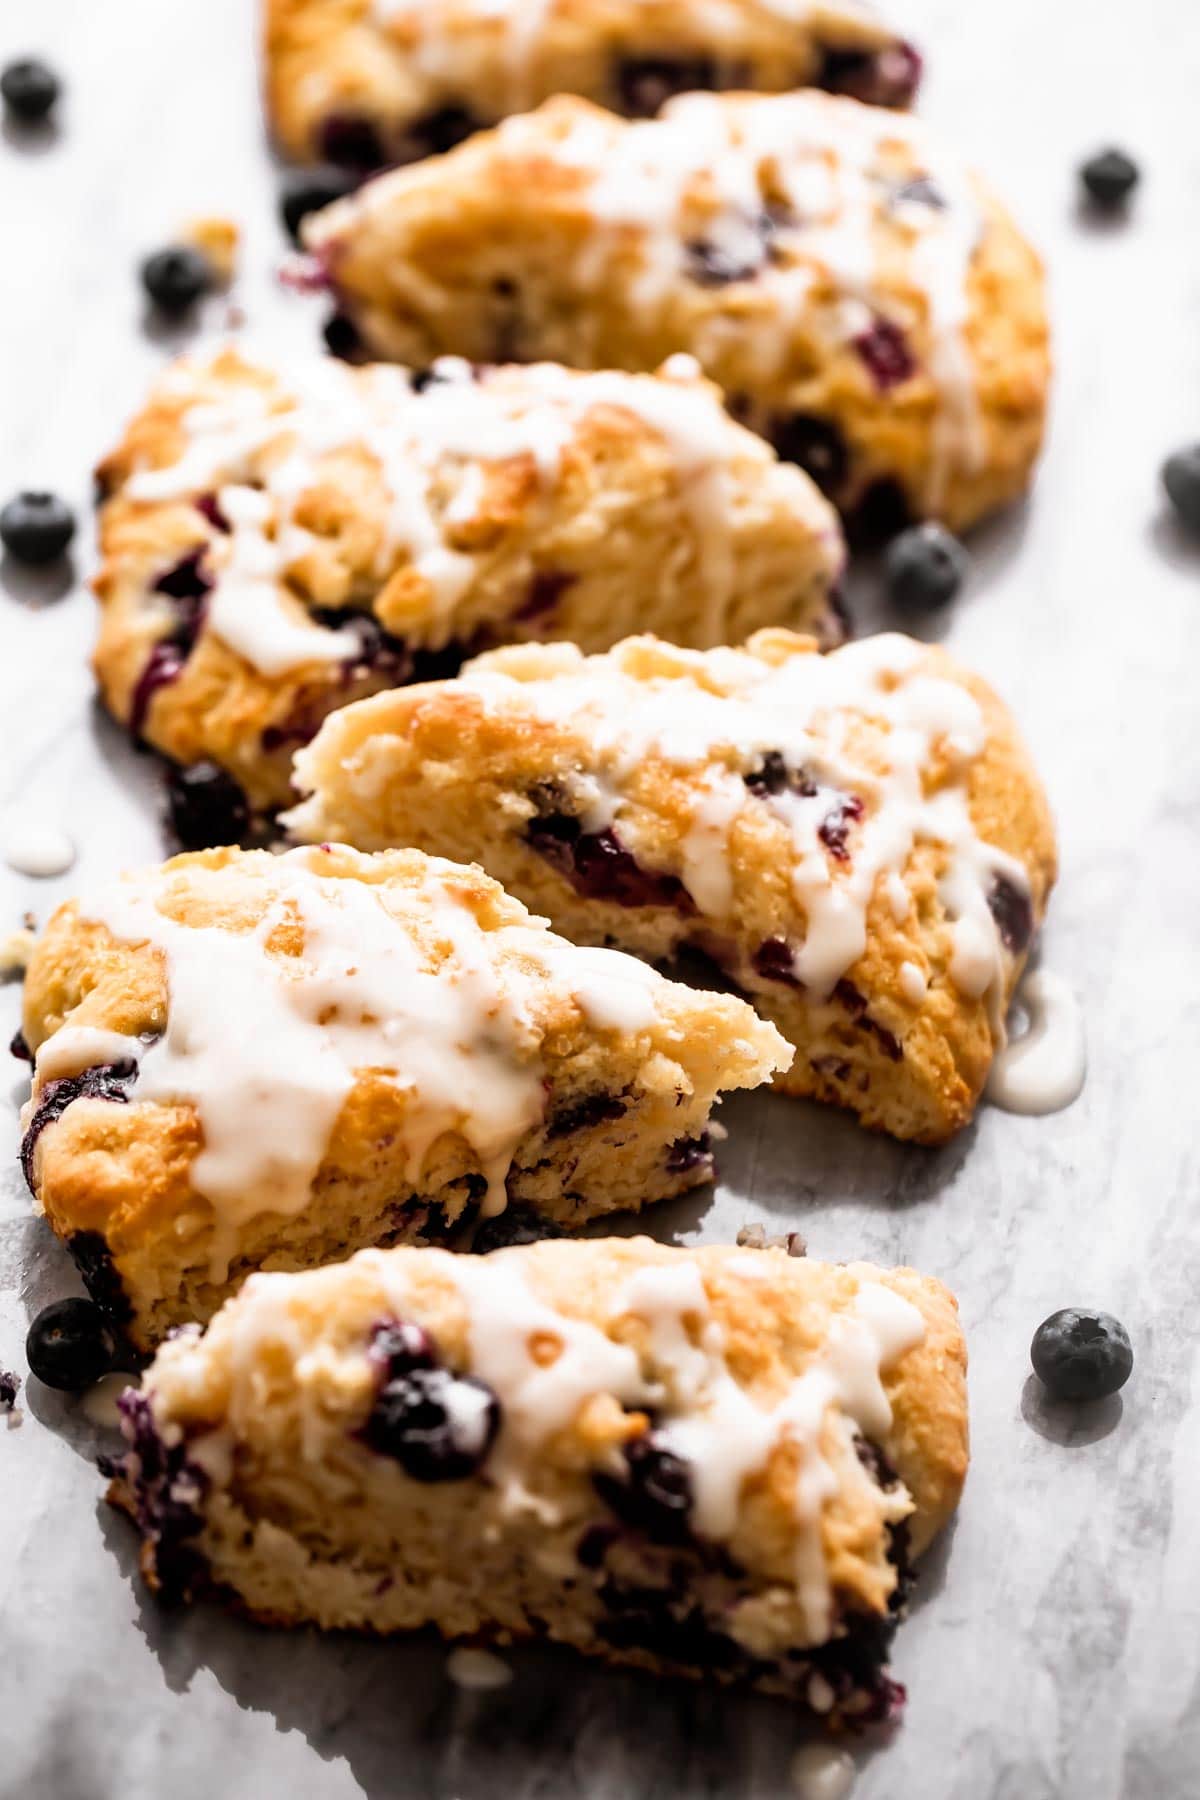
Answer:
(1012, 909)
(885, 350)
(645, 83)
(655, 1492)
(1081, 1355)
(206, 807)
(515, 1225)
(438, 1426)
(925, 567)
(29, 89)
(342, 338)
(309, 195)
(71, 1345)
(398, 1346)
(1181, 479)
(10, 1387)
(175, 278)
(36, 527)
(814, 445)
(352, 142)
(1109, 178)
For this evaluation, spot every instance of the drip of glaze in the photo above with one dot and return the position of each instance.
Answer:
(99, 1403)
(1042, 1071)
(478, 1670)
(35, 845)
(822, 1772)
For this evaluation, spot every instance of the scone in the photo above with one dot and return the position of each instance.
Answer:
(858, 841)
(863, 299)
(246, 1061)
(362, 84)
(281, 539)
(714, 1462)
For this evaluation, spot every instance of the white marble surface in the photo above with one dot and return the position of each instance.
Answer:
(1055, 1647)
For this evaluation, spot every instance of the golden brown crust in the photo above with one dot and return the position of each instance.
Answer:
(502, 247)
(273, 1400)
(121, 1168)
(342, 83)
(463, 770)
(607, 541)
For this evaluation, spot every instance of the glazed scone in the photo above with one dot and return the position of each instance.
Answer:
(858, 840)
(246, 1061)
(281, 539)
(711, 1462)
(862, 298)
(362, 84)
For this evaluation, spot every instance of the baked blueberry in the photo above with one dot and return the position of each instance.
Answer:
(1012, 909)
(814, 445)
(309, 194)
(206, 807)
(1181, 479)
(175, 278)
(351, 142)
(436, 1425)
(29, 87)
(71, 1345)
(1109, 178)
(884, 348)
(398, 1346)
(654, 1493)
(925, 568)
(1081, 1355)
(36, 527)
(646, 83)
(515, 1225)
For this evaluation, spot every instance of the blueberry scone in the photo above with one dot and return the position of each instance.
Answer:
(714, 1463)
(864, 301)
(363, 83)
(278, 541)
(246, 1061)
(858, 841)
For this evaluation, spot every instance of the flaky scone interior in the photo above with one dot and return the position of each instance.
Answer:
(858, 842)
(363, 85)
(713, 1462)
(246, 1061)
(280, 537)
(860, 295)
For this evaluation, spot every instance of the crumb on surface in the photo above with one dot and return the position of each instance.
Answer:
(754, 1237)
(218, 239)
(16, 948)
(10, 1387)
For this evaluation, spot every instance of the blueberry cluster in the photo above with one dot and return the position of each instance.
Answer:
(437, 1425)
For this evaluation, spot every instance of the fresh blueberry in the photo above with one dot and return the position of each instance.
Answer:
(1081, 1355)
(175, 278)
(71, 1345)
(925, 568)
(655, 1492)
(1181, 478)
(1109, 178)
(206, 807)
(438, 1426)
(309, 194)
(29, 88)
(36, 527)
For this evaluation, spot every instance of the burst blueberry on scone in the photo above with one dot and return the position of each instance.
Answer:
(717, 1463)
(861, 297)
(858, 841)
(363, 85)
(243, 1060)
(279, 540)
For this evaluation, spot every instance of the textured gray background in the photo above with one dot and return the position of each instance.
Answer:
(1055, 1648)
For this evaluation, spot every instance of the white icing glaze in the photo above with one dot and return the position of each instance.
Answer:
(834, 160)
(913, 984)
(266, 1046)
(432, 449)
(1042, 1071)
(99, 1403)
(822, 1772)
(478, 1670)
(802, 709)
(35, 845)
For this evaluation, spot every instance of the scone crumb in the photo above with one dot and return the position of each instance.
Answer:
(218, 240)
(754, 1237)
(16, 947)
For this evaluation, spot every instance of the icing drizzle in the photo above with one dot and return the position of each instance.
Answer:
(258, 446)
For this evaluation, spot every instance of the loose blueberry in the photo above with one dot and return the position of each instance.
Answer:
(655, 1492)
(175, 278)
(71, 1345)
(1109, 178)
(29, 89)
(925, 568)
(206, 807)
(436, 1425)
(309, 195)
(1181, 479)
(1081, 1355)
(36, 527)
